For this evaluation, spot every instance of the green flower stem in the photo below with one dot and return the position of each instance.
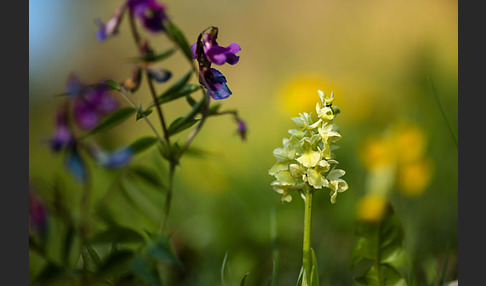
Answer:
(168, 199)
(159, 108)
(307, 255)
(143, 115)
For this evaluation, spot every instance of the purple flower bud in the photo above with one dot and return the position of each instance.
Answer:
(150, 12)
(242, 129)
(37, 213)
(110, 28)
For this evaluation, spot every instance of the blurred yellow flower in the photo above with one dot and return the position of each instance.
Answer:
(377, 151)
(371, 208)
(410, 142)
(414, 177)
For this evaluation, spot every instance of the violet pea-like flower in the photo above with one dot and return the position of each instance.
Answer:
(207, 51)
(151, 13)
(91, 103)
(215, 53)
(215, 83)
(63, 136)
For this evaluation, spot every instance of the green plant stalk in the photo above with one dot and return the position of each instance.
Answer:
(444, 115)
(306, 253)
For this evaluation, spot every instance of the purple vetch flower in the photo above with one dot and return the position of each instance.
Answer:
(37, 213)
(214, 53)
(207, 51)
(242, 129)
(115, 159)
(151, 13)
(92, 105)
(215, 83)
(110, 28)
(63, 136)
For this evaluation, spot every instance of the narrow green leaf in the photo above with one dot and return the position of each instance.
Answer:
(185, 90)
(176, 35)
(112, 120)
(213, 109)
(187, 120)
(181, 124)
(147, 112)
(301, 276)
(242, 282)
(223, 266)
(151, 57)
(68, 244)
(118, 234)
(91, 258)
(148, 175)
(112, 84)
(116, 264)
(314, 279)
(175, 87)
(143, 143)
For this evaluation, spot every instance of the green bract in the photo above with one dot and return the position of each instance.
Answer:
(305, 159)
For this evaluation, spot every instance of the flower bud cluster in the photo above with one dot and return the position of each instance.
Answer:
(305, 162)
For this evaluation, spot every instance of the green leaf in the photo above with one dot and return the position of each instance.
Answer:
(384, 276)
(175, 87)
(143, 143)
(181, 124)
(175, 34)
(145, 270)
(117, 234)
(223, 266)
(185, 90)
(314, 278)
(300, 277)
(91, 258)
(112, 120)
(146, 113)
(378, 247)
(112, 84)
(151, 57)
(187, 120)
(68, 244)
(148, 175)
(242, 282)
(117, 263)
(159, 249)
(214, 108)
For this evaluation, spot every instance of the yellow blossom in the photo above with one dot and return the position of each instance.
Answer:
(371, 208)
(414, 177)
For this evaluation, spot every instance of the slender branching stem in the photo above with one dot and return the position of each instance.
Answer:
(168, 198)
(143, 115)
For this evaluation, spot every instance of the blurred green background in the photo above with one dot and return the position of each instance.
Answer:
(384, 60)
